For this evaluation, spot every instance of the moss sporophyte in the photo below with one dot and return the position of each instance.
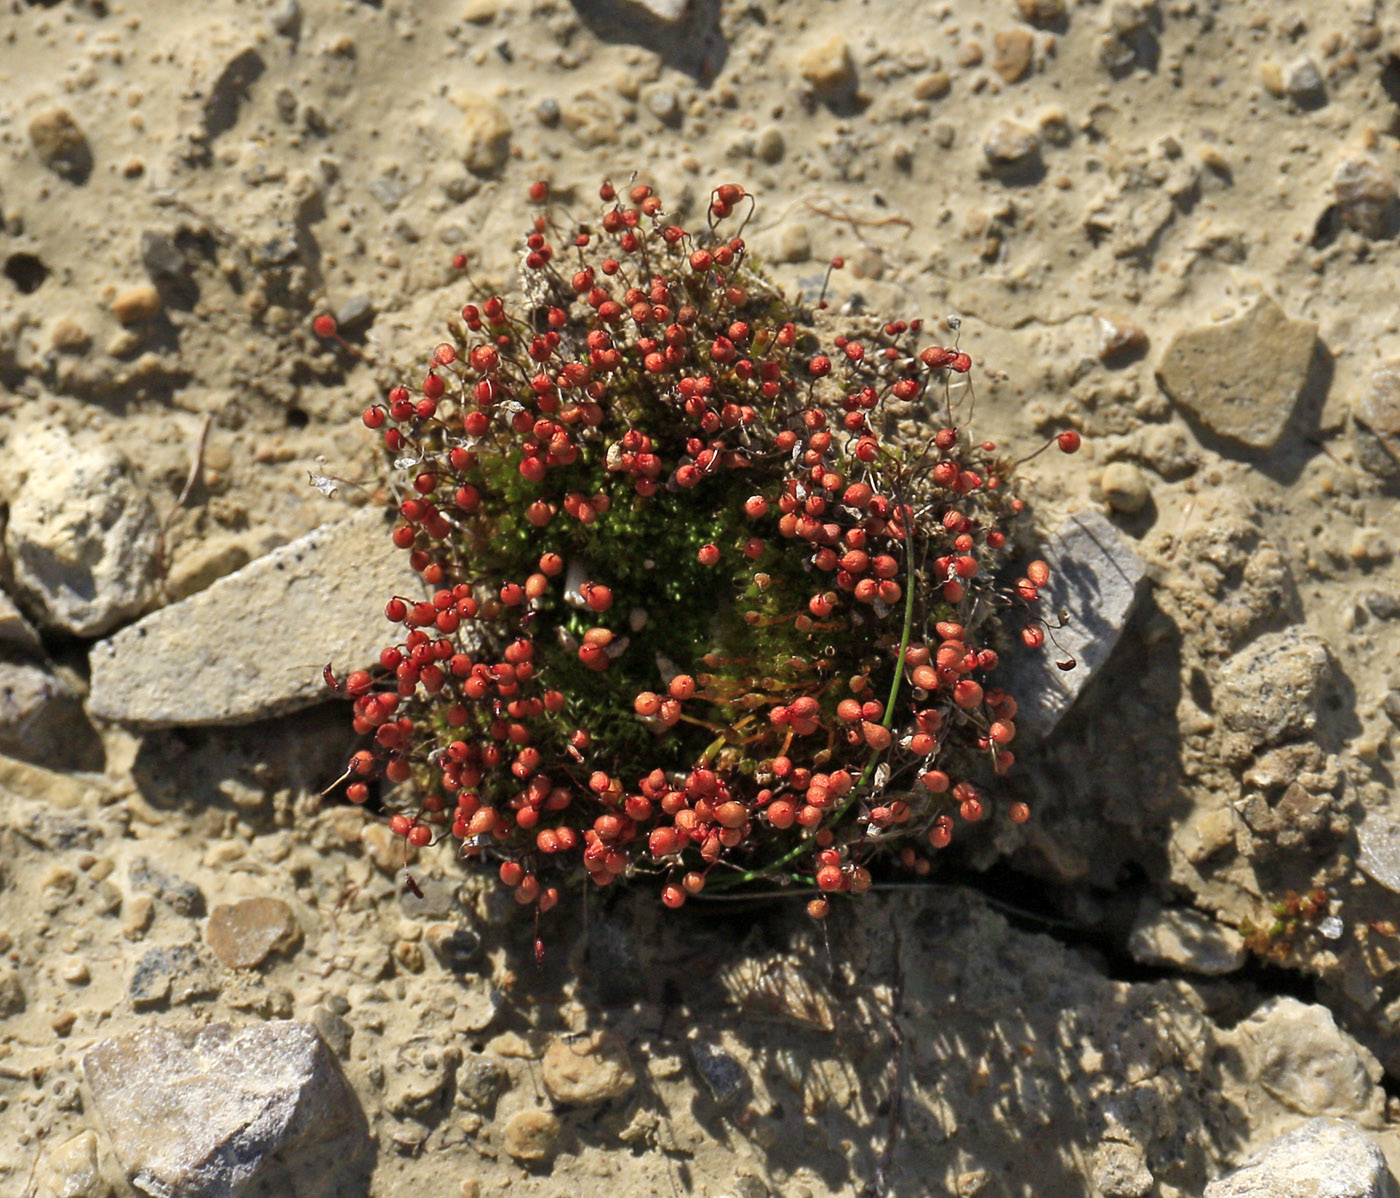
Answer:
(698, 614)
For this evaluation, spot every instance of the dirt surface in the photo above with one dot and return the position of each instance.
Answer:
(1171, 226)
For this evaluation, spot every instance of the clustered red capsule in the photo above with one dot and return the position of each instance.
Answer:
(687, 612)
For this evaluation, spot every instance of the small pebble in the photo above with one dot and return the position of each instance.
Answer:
(136, 305)
(244, 934)
(1302, 82)
(61, 145)
(1041, 12)
(1366, 196)
(137, 914)
(771, 145)
(68, 336)
(969, 54)
(932, 86)
(1118, 337)
(485, 134)
(1012, 52)
(827, 66)
(1125, 487)
(530, 1135)
(75, 971)
(662, 103)
(1009, 143)
(587, 1069)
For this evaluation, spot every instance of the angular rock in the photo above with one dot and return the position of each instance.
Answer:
(1322, 1158)
(1185, 940)
(1376, 420)
(194, 1113)
(723, 1074)
(1012, 53)
(1379, 859)
(480, 1081)
(1300, 1057)
(1010, 144)
(826, 66)
(587, 1069)
(1271, 688)
(84, 541)
(1366, 196)
(182, 897)
(248, 646)
(1096, 577)
(244, 934)
(170, 974)
(70, 1170)
(1241, 378)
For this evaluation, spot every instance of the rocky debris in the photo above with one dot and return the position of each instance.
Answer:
(1011, 145)
(1376, 421)
(199, 1112)
(244, 934)
(1366, 197)
(1095, 576)
(182, 897)
(1329, 1158)
(355, 315)
(1270, 689)
(170, 975)
(61, 145)
(1125, 488)
(245, 647)
(456, 948)
(83, 539)
(530, 1136)
(485, 133)
(826, 66)
(15, 630)
(1013, 51)
(587, 1069)
(1242, 378)
(1182, 939)
(70, 1170)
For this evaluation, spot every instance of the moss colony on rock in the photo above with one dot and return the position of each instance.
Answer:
(697, 615)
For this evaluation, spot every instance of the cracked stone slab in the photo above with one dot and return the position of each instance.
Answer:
(253, 644)
(1096, 578)
(1242, 378)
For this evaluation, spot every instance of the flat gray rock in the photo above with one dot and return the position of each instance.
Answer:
(1241, 378)
(253, 644)
(1322, 1158)
(1096, 577)
(220, 1110)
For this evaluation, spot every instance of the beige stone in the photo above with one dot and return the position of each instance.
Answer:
(587, 1069)
(827, 66)
(531, 1135)
(136, 305)
(244, 934)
